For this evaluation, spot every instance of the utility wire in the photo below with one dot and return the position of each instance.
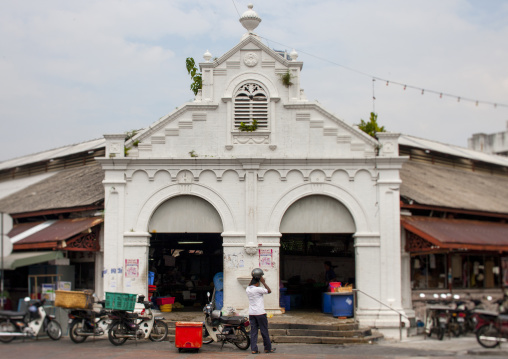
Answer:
(236, 8)
(388, 82)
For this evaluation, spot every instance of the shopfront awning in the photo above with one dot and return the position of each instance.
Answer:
(71, 234)
(22, 259)
(454, 234)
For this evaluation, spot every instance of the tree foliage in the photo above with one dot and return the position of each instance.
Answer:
(197, 81)
(371, 127)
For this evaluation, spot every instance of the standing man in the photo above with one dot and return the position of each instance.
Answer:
(257, 314)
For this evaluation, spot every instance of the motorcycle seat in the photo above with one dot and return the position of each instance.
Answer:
(12, 314)
(234, 320)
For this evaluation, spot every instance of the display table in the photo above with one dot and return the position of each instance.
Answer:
(343, 303)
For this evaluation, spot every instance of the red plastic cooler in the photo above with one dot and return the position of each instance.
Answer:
(188, 335)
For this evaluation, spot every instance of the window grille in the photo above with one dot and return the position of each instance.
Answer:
(251, 103)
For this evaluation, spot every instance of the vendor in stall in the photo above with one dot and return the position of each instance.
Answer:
(329, 273)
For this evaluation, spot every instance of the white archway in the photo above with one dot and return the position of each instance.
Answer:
(159, 197)
(351, 203)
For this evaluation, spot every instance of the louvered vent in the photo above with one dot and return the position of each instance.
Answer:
(251, 103)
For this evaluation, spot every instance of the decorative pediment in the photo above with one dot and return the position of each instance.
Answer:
(85, 242)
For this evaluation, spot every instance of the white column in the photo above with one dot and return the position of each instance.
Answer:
(367, 276)
(114, 209)
(136, 245)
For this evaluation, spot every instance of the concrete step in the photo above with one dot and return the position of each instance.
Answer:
(305, 326)
(322, 333)
(344, 333)
(326, 340)
(312, 339)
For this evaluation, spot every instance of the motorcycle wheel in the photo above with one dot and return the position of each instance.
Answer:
(117, 328)
(207, 339)
(455, 329)
(76, 325)
(440, 333)
(7, 327)
(159, 331)
(242, 340)
(54, 330)
(487, 331)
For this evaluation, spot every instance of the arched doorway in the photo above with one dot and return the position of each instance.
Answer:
(185, 249)
(315, 229)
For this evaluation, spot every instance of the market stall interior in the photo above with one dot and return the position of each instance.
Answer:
(302, 270)
(184, 265)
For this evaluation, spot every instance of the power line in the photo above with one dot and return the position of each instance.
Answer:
(403, 85)
(236, 8)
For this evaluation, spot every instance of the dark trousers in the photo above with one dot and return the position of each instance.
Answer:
(259, 322)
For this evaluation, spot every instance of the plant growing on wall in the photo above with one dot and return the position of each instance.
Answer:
(286, 78)
(371, 127)
(248, 128)
(197, 81)
(129, 135)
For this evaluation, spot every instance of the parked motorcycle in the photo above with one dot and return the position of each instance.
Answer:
(464, 316)
(29, 323)
(437, 321)
(225, 329)
(127, 325)
(85, 323)
(492, 327)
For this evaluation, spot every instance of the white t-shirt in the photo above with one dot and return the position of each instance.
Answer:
(256, 302)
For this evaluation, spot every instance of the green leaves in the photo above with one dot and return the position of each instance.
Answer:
(371, 127)
(248, 128)
(197, 81)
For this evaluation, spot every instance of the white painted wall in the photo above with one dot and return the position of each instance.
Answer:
(251, 179)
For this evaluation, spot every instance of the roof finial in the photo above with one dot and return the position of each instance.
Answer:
(250, 19)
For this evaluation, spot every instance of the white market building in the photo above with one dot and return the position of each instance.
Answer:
(302, 178)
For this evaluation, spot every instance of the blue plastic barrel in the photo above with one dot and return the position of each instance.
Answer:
(342, 305)
(285, 302)
(219, 299)
(327, 303)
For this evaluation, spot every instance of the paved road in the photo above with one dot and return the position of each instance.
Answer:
(102, 348)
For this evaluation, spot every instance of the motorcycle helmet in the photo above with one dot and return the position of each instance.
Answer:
(257, 273)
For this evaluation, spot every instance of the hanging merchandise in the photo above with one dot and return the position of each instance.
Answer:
(432, 261)
(416, 263)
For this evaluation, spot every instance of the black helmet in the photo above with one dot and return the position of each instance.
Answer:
(257, 273)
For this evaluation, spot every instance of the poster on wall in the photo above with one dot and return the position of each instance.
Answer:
(265, 258)
(48, 291)
(131, 268)
(64, 285)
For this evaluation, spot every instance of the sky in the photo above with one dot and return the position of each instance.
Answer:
(72, 71)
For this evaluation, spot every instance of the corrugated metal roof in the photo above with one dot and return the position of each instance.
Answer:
(9, 187)
(54, 153)
(52, 231)
(442, 186)
(453, 150)
(459, 233)
(75, 187)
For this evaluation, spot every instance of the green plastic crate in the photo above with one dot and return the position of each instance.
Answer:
(120, 301)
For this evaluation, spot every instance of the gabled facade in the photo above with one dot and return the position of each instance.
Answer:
(302, 170)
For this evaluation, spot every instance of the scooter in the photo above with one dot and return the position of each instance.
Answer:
(222, 329)
(29, 323)
(85, 323)
(492, 327)
(127, 325)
